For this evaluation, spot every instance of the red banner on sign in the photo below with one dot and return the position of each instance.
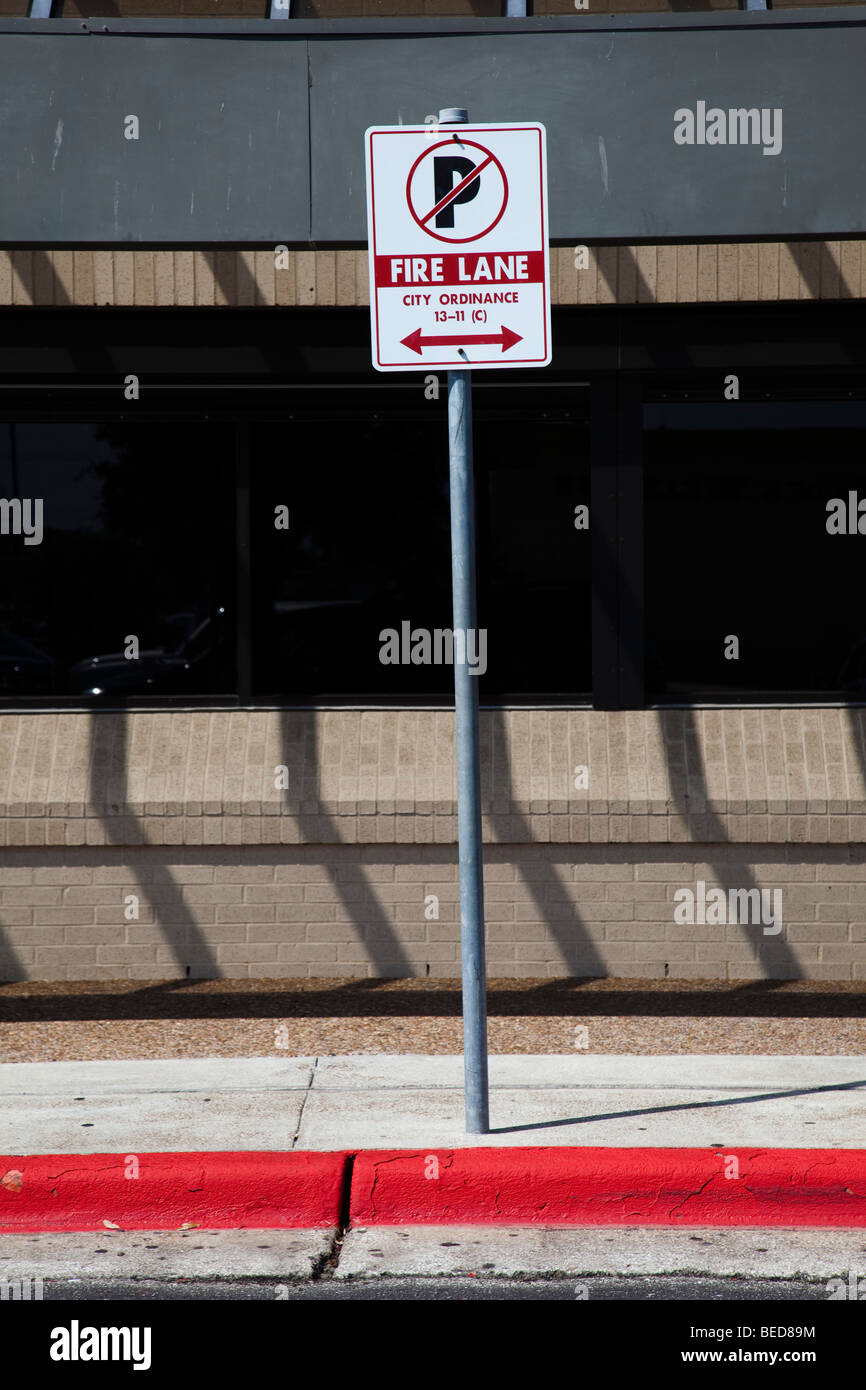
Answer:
(511, 268)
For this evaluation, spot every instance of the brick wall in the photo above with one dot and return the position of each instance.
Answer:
(156, 845)
(551, 910)
(743, 272)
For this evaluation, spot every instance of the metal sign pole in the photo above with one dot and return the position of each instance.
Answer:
(468, 762)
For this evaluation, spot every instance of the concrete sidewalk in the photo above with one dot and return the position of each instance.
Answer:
(445, 1251)
(380, 1101)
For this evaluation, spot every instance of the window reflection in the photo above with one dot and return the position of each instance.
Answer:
(137, 543)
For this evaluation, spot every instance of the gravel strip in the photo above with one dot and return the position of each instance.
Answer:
(64, 1020)
(256, 1037)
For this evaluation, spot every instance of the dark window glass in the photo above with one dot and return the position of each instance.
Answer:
(367, 549)
(135, 540)
(534, 581)
(364, 569)
(738, 500)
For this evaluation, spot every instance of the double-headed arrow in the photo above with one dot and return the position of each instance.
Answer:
(417, 343)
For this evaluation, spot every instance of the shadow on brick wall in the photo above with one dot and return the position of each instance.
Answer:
(109, 798)
(11, 965)
(367, 915)
(35, 273)
(822, 273)
(234, 278)
(688, 783)
(857, 725)
(553, 896)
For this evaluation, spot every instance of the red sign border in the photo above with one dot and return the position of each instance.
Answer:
(535, 128)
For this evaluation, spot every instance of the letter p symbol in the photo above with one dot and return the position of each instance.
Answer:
(449, 170)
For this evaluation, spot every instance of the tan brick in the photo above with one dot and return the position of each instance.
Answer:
(76, 956)
(143, 278)
(616, 951)
(91, 894)
(836, 954)
(125, 955)
(213, 893)
(96, 935)
(637, 931)
(31, 896)
(252, 912)
(17, 916)
(5, 277)
(309, 951)
(10, 874)
(668, 950)
(815, 932)
(282, 892)
(64, 916)
(248, 953)
(27, 936)
(640, 891)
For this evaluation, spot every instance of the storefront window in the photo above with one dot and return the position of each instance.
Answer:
(754, 556)
(352, 598)
(268, 522)
(116, 560)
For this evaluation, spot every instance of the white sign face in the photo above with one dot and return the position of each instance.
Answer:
(457, 227)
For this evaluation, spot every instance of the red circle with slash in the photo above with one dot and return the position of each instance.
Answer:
(489, 158)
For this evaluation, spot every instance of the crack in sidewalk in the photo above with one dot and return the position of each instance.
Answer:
(297, 1134)
(325, 1266)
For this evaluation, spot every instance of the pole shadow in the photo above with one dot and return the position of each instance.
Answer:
(683, 1105)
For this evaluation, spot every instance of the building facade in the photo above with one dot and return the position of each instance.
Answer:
(213, 510)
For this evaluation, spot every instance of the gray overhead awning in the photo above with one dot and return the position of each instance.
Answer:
(663, 127)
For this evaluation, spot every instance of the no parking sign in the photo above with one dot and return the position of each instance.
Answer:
(457, 227)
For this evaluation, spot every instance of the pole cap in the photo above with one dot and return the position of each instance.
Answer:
(453, 115)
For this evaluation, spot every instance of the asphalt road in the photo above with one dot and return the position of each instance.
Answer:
(605, 1288)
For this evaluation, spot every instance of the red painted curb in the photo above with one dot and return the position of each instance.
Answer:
(523, 1186)
(610, 1187)
(165, 1191)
